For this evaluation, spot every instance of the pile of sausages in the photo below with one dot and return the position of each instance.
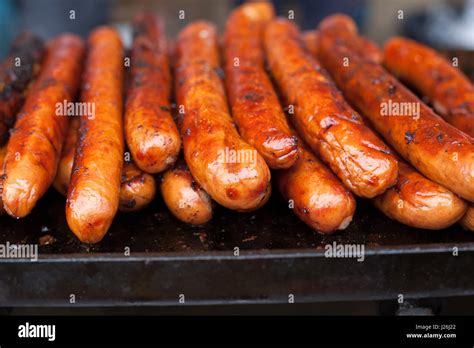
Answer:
(264, 99)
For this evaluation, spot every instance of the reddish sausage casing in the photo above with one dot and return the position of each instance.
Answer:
(137, 187)
(184, 197)
(254, 103)
(229, 169)
(447, 88)
(438, 150)
(319, 198)
(94, 189)
(150, 132)
(324, 119)
(36, 141)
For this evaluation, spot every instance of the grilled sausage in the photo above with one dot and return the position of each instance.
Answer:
(3, 152)
(16, 73)
(447, 88)
(35, 144)
(184, 197)
(94, 189)
(310, 39)
(254, 103)
(230, 170)
(317, 196)
(419, 202)
(415, 200)
(438, 150)
(150, 132)
(63, 174)
(137, 188)
(324, 119)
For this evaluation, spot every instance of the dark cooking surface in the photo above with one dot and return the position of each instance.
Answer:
(156, 230)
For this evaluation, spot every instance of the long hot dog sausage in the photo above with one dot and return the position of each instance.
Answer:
(324, 119)
(438, 150)
(184, 197)
(94, 189)
(137, 188)
(150, 132)
(317, 196)
(447, 88)
(16, 73)
(35, 144)
(254, 103)
(230, 170)
(415, 200)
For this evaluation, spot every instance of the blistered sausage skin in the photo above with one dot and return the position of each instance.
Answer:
(447, 88)
(324, 119)
(415, 200)
(137, 188)
(230, 170)
(419, 202)
(3, 152)
(184, 197)
(36, 141)
(317, 196)
(94, 189)
(438, 150)
(254, 104)
(151, 134)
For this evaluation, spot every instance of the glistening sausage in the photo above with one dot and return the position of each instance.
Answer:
(184, 197)
(324, 119)
(94, 189)
(230, 170)
(438, 150)
(316, 195)
(150, 132)
(36, 141)
(254, 104)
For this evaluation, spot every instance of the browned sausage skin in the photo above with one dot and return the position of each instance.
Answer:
(229, 169)
(317, 196)
(28, 50)
(323, 118)
(35, 145)
(415, 200)
(447, 88)
(254, 103)
(137, 188)
(184, 197)
(94, 189)
(438, 150)
(150, 131)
